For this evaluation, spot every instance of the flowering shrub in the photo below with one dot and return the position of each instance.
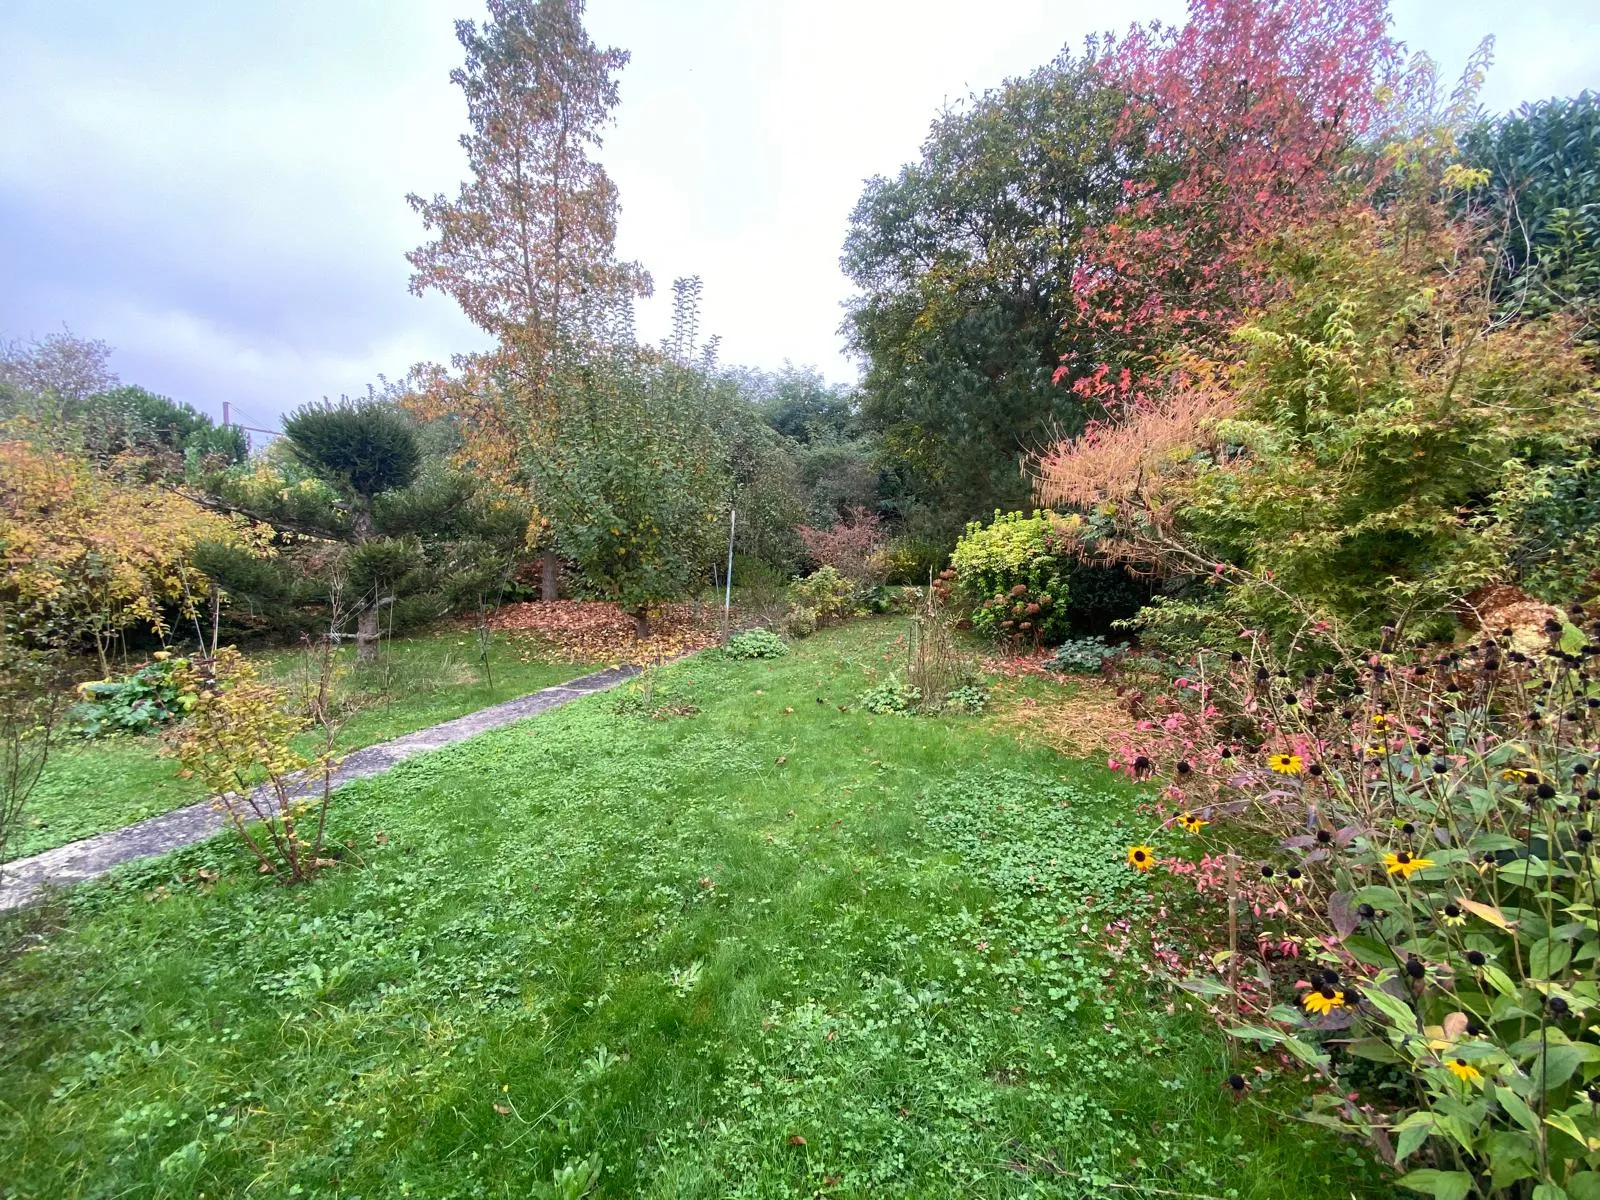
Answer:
(1012, 575)
(756, 643)
(1420, 889)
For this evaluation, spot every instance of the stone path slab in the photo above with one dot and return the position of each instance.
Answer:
(26, 879)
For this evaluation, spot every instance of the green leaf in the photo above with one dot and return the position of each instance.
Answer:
(1499, 980)
(1548, 958)
(1413, 1131)
(1585, 1185)
(1556, 1065)
(1398, 1011)
(1567, 1126)
(1494, 841)
(1305, 1053)
(1549, 1191)
(1517, 1109)
(1202, 985)
(1375, 1049)
(1369, 950)
(1441, 1185)
(1258, 1033)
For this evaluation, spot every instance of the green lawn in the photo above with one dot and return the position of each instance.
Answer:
(768, 949)
(89, 787)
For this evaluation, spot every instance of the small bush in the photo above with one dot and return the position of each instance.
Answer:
(853, 546)
(801, 622)
(826, 591)
(891, 697)
(968, 698)
(1082, 656)
(913, 561)
(757, 643)
(821, 597)
(243, 729)
(149, 698)
(892, 599)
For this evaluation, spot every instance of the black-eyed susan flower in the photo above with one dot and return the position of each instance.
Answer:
(1451, 914)
(1296, 877)
(1286, 764)
(1323, 1000)
(1141, 858)
(1464, 1071)
(1193, 822)
(1404, 864)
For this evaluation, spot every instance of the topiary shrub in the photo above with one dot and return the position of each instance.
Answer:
(756, 643)
(1011, 576)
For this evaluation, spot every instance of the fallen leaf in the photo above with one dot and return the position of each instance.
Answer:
(796, 1140)
(502, 1110)
(381, 838)
(781, 759)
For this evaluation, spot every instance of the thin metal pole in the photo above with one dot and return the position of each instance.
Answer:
(727, 595)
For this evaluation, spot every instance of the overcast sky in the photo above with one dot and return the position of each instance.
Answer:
(217, 189)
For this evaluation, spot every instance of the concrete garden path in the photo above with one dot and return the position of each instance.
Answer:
(26, 878)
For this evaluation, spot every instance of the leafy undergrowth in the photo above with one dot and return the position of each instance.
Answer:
(780, 947)
(92, 786)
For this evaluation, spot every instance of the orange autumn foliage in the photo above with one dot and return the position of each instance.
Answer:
(84, 551)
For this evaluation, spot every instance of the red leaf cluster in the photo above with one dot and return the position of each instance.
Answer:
(1248, 111)
(853, 546)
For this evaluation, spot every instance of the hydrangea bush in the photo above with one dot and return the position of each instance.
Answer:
(1012, 576)
(1403, 844)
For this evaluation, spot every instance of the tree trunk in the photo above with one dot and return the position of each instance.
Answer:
(367, 634)
(641, 624)
(549, 576)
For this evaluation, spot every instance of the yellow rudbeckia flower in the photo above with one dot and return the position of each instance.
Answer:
(1323, 1000)
(1404, 864)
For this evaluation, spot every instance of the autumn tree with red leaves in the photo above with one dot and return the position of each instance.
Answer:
(1249, 112)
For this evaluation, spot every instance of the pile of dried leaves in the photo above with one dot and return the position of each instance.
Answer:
(598, 631)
